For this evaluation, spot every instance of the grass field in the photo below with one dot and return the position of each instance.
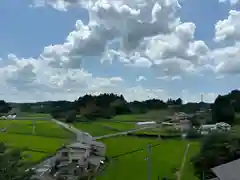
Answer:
(37, 143)
(35, 115)
(121, 126)
(164, 158)
(93, 129)
(47, 139)
(43, 128)
(44, 145)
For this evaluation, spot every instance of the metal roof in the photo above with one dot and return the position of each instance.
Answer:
(78, 145)
(228, 171)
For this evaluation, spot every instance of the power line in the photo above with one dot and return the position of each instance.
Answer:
(131, 152)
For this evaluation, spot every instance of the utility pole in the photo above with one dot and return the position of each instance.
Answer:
(149, 161)
(34, 127)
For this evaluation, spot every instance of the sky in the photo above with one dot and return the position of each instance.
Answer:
(63, 49)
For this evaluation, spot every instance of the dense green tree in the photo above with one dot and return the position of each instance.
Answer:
(71, 116)
(178, 101)
(223, 110)
(4, 107)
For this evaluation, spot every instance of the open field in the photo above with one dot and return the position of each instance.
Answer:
(43, 128)
(164, 158)
(37, 143)
(121, 126)
(37, 147)
(47, 139)
(94, 129)
(121, 123)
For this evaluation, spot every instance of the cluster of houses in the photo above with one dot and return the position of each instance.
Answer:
(181, 121)
(79, 160)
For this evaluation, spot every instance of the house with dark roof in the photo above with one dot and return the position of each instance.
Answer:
(228, 171)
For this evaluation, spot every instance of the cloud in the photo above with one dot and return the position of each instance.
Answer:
(228, 29)
(141, 34)
(232, 2)
(141, 78)
(226, 59)
(169, 78)
(137, 33)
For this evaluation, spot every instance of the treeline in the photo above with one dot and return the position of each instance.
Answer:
(225, 107)
(90, 107)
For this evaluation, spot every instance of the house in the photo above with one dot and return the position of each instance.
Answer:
(228, 171)
(78, 159)
(205, 129)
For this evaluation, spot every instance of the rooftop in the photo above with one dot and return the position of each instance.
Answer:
(228, 171)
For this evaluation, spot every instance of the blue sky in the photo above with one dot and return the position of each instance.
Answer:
(26, 31)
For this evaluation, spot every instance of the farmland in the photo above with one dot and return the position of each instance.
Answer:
(166, 158)
(121, 123)
(48, 137)
(42, 128)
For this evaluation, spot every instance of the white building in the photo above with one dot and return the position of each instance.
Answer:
(146, 124)
(205, 129)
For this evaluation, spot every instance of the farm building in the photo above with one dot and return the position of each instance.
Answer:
(146, 124)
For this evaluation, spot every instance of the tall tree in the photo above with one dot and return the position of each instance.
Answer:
(223, 110)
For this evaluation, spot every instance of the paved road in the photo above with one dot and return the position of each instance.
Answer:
(80, 135)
